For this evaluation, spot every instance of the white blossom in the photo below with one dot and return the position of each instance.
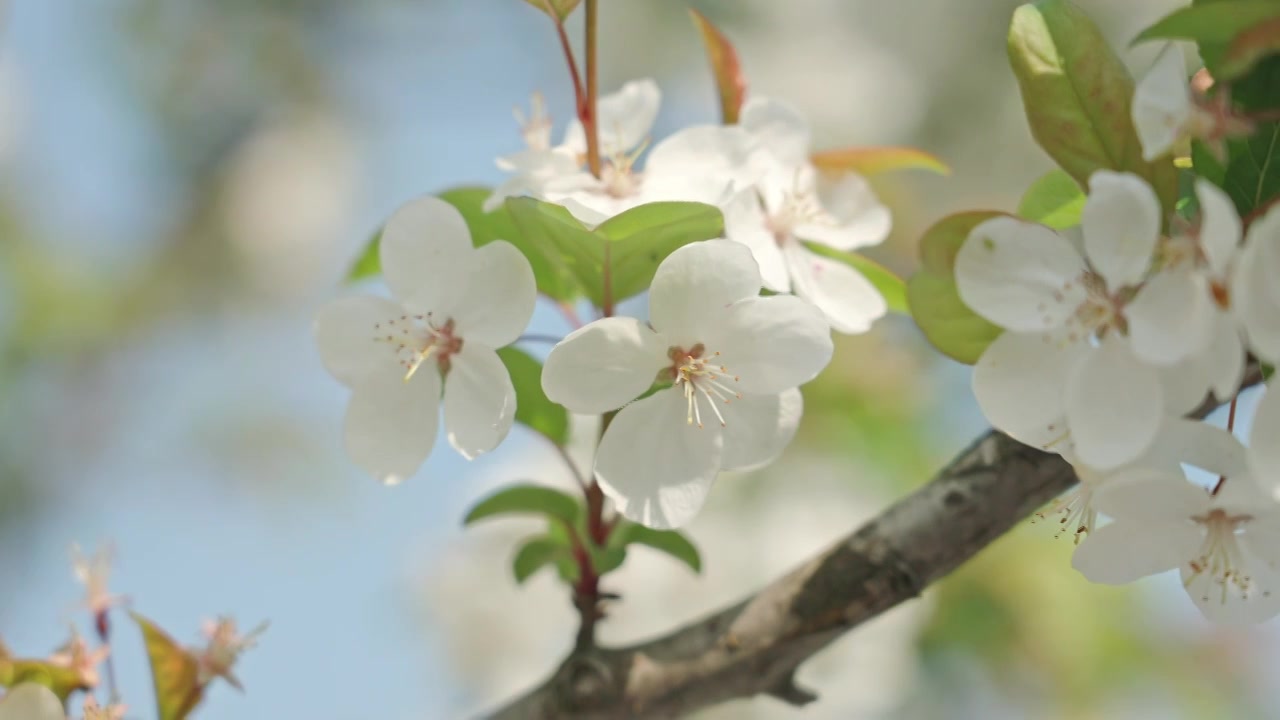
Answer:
(1255, 292)
(1167, 111)
(730, 362)
(1065, 370)
(1226, 545)
(1264, 442)
(791, 203)
(454, 306)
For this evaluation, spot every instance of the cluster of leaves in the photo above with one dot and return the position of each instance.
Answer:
(1077, 95)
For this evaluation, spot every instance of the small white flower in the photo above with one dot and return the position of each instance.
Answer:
(1255, 294)
(624, 120)
(791, 203)
(29, 701)
(454, 305)
(1227, 546)
(1166, 111)
(733, 359)
(536, 165)
(225, 645)
(94, 711)
(94, 573)
(1064, 370)
(76, 655)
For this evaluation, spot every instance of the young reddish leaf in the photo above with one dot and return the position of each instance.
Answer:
(730, 82)
(1248, 48)
(1212, 25)
(1077, 94)
(174, 671)
(946, 321)
(875, 160)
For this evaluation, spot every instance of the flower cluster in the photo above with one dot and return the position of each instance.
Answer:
(1111, 335)
(708, 382)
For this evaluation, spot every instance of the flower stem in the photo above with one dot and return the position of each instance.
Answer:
(587, 113)
(579, 94)
(1231, 425)
(102, 624)
(586, 593)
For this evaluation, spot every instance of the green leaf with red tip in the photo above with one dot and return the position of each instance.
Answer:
(888, 284)
(174, 672)
(731, 84)
(946, 321)
(533, 408)
(1249, 48)
(869, 161)
(1054, 200)
(1077, 94)
(559, 10)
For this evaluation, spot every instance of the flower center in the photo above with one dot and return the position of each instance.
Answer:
(418, 338)
(799, 206)
(1099, 312)
(704, 380)
(1076, 509)
(1220, 559)
(536, 128)
(618, 173)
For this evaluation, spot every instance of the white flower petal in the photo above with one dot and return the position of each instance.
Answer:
(1125, 551)
(391, 424)
(1264, 442)
(1121, 223)
(1114, 405)
(1224, 358)
(479, 400)
(703, 163)
(29, 701)
(849, 301)
(1018, 385)
(624, 117)
(1219, 226)
(759, 427)
(423, 246)
(771, 343)
(1171, 318)
(1183, 385)
(1162, 103)
(1255, 298)
(745, 222)
(856, 216)
(695, 283)
(1019, 275)
(1149, 495)
(656, 468)
(346, 330)
(1199, 444)
(604, 365)
(496, 304)
(781, 127)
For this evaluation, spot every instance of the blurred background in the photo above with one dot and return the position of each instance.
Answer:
(182, 183)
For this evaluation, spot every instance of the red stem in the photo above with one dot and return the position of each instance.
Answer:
(1231, 425)
(579, 93)
(587, 113)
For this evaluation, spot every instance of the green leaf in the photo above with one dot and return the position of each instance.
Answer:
(870, 161)
(725, 67)
(630, 244)
(536, 553)
(62, 681)
(1077, 93)
(1054, 200)
(1248, 48)
(174, 672)
(946, 321)
(642, 237)
(558, 532)
(535, 499)
(889, 285)
(671, 542)
(486, 227)
(557, 9)
(1211, 25)
(533, 408)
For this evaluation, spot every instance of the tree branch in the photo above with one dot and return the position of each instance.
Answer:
(755, 646)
